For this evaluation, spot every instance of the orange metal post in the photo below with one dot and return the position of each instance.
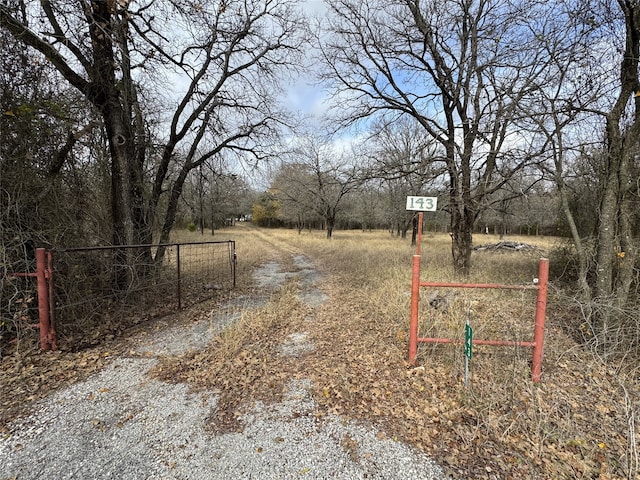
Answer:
(541, 310)
(415, 302)
(43, 297)
(53, 338)
(419, 240)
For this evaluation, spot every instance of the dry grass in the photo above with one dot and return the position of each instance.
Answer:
(236, 365)
(576, 424)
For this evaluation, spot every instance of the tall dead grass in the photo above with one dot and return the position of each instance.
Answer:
(578, 423)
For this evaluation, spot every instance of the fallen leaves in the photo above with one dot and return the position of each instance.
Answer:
(24, 379)
(350, 447)
(243, 361)
(573, 425)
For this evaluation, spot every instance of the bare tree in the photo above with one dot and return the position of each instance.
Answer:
(368, 206)
(617, 250)
(586, 113)
(319, 180)
(561, 115)
(224, 60)
(407, 163)
(293, 185)
(459, 68)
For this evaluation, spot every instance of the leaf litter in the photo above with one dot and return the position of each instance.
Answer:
(570, 426)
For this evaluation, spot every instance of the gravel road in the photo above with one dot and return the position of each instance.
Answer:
(122, 424)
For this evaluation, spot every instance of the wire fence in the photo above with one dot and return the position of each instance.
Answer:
(18, 310)
(103, 290)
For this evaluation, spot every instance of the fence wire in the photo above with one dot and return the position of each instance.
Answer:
(102, 289)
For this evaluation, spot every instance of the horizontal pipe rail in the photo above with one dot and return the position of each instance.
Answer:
(538, 334)
(143, 245)
(497, 343)
(499, 286)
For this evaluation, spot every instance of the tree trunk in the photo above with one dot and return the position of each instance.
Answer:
(330, 223)
(170, 215)
(106, 97)
(583, 265)
(628, 250)
(461, 241)
(462, 215)
(414, 231)
(607, 230)
(616, 249)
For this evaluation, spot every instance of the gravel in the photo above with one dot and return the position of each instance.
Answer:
(122, 424)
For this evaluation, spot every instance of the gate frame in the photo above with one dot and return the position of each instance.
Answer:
(541, 306)
(45, 287)
(233, 257)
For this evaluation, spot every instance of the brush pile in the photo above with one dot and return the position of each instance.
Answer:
(507, 246)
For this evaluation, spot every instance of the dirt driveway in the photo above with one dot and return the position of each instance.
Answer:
(121, 422)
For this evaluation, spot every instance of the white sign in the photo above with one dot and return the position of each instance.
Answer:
(422, 204)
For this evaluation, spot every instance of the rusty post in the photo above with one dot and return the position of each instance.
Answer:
(53, 338)
(178, 286)
(415, 303)
(419, 240)
(43, 297)
(234, 262)
(541, 309)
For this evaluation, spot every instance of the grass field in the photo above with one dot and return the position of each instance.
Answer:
(577, 423)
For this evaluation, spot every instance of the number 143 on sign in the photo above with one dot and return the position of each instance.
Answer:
(422, 204)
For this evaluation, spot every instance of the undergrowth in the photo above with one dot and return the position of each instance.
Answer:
(578, 423)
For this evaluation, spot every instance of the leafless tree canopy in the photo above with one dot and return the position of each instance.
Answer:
(205, 74)
(463, 70)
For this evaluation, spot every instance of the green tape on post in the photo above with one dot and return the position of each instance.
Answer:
(468, 341)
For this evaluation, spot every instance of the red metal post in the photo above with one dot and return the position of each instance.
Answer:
(43, 297)
(541, 310)
(419, 240)
(53, 337)
(415, 302)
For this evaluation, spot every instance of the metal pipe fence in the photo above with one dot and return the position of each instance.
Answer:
(538, 331)
(108, 288)
(541, 307)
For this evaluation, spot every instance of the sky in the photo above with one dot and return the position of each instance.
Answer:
(303, 95)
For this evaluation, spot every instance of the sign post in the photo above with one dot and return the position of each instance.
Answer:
(418, 204)
(421, 204)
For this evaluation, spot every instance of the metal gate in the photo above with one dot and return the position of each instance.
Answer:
(538, 332)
